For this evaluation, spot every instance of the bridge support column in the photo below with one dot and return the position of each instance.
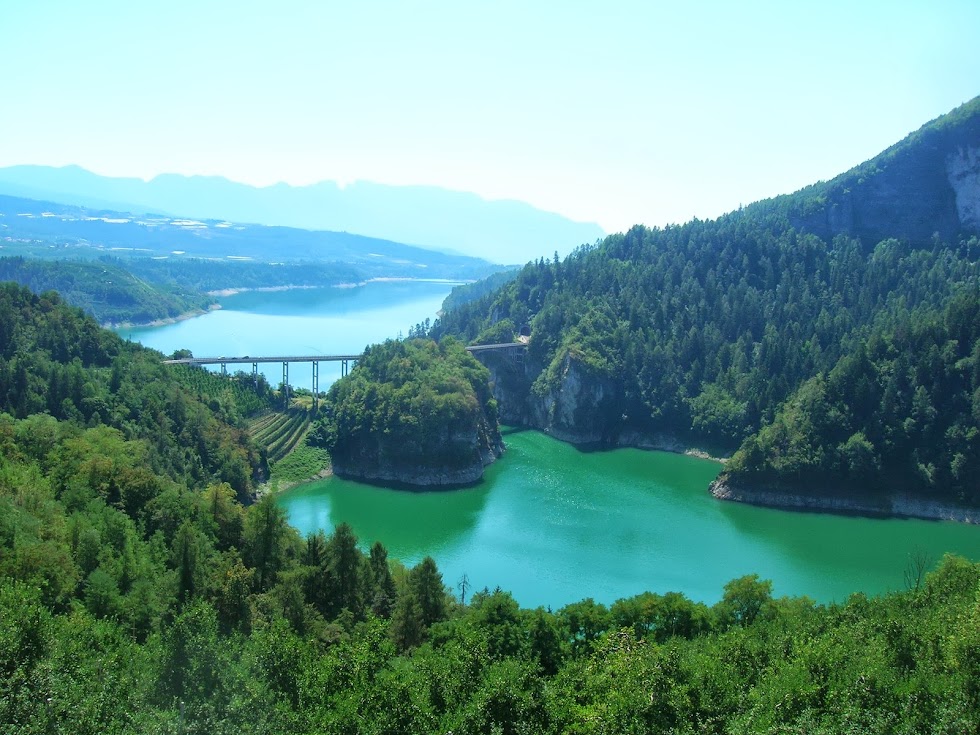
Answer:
(343, 368)
(285, 382)
(224, 370)
(255, 374)
(316, 383)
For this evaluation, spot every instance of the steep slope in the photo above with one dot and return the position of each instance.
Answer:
(412, 412)
(103, 289)
(699, 334)
(928, 184)
(57, 365)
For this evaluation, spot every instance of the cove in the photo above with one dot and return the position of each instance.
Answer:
(550, 523)
(553, 525)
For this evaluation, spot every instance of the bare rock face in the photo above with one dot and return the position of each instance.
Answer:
(835, 502)
(963, 173)
(569, 410)
(482, 444)
(923, 186)
(564, 411)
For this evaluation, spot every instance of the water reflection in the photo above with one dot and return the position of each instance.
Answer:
(410, 524)
(554, 525)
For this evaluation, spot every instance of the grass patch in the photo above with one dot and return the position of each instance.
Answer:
(300, 464)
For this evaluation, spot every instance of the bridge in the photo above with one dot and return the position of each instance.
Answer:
(346, 362)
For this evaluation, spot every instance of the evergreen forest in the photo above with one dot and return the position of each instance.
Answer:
(138, 594)
(105, 288)
(826, 360)
(412, 411)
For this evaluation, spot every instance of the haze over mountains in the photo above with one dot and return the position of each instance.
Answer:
(66, 230)
(506, 232)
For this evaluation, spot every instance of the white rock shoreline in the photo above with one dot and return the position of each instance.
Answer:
(901, 506)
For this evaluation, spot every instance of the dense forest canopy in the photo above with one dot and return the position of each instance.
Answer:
(138, 595)
(748, 329)
(58, 365)
(105, 289)
(412, 411)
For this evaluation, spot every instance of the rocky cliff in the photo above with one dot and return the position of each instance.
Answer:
(376, 462)
(568, 410)
(564, 409)
(900, 505)
(928, 184)
(413, 413)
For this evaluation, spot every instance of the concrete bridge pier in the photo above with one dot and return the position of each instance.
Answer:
(285, 382)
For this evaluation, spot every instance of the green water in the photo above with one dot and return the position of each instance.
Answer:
(554, 525)
(549, 523)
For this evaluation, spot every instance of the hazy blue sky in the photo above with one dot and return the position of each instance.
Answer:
(614, 112)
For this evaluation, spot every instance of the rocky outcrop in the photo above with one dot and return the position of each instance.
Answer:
(565, 410)
(373, 462)
(963, 173)
(925, 185)
(568, 409)
(891, 506)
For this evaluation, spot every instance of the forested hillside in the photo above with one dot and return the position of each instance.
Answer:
(704, 333)
(413, 412)
(62, 373)
(104, 289)
(138, 595)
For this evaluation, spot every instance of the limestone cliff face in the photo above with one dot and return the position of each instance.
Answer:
(830, 502)
(925, 185)
(569, 409)
(963, 174)
(375, 462)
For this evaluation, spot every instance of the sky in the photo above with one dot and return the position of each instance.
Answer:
(611, 112)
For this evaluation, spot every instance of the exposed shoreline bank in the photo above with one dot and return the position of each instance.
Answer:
(632, 440)
(894, 506)
(162, 322)
(224, 292)
(272, 486)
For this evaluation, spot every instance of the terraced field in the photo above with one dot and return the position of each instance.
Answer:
(280, 431)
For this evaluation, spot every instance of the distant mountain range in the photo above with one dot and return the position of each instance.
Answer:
(509, 232)
(123, 267)
(35, 228)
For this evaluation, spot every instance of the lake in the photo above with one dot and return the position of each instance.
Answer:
(317, 321)
(550, 523)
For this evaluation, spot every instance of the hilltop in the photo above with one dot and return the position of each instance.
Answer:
(923, 186)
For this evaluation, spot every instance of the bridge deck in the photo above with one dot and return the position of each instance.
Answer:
(310, 358)
(249, 360)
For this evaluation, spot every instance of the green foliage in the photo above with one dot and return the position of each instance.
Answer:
(412, 407)
(468, 292)
(103, 289)
(302, 463)
(55, 360)
(894, 414)
(747, 332)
